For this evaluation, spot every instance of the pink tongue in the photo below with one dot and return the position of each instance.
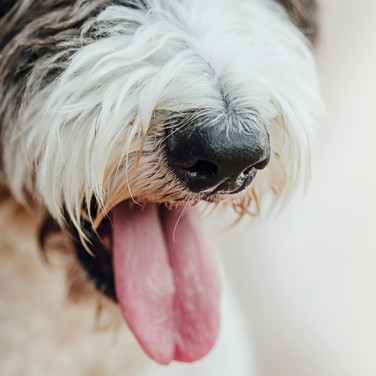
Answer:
(166, 281)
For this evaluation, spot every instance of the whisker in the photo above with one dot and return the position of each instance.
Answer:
(185, 209)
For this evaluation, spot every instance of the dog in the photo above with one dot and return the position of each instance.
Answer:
(121, 121)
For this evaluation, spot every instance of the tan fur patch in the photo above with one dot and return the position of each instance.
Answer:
(41, 331)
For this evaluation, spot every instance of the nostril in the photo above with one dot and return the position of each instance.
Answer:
(258, 166)
(247, 171)
(202, 169)
(262, 164)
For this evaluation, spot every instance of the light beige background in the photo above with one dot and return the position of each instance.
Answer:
(308, 280)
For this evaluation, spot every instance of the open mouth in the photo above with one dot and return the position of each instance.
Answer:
(156, 263)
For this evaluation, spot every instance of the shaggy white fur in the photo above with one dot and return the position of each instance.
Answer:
(92, 132)
(88, 126)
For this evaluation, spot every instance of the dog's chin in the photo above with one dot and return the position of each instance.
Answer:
(155, 262)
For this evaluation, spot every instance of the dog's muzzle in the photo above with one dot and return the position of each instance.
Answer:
(217, 160)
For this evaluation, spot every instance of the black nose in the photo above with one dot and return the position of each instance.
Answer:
(222, 160)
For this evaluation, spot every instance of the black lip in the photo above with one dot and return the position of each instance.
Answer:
(98, 265)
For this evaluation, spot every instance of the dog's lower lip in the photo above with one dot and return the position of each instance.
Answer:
(98, 265)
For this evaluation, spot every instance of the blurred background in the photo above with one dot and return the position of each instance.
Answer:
(307, 280)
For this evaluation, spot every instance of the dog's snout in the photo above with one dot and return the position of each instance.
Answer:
(219, 160)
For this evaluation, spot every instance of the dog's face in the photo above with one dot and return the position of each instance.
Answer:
(117, 117)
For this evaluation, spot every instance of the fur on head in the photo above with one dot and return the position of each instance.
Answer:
(91, 90)
(87, 89)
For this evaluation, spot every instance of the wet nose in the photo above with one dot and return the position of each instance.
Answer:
(216, 159)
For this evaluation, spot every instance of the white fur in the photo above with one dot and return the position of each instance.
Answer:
(93, 116)
(80, 137)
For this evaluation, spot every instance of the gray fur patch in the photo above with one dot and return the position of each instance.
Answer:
(304, 15)
(37, 39)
